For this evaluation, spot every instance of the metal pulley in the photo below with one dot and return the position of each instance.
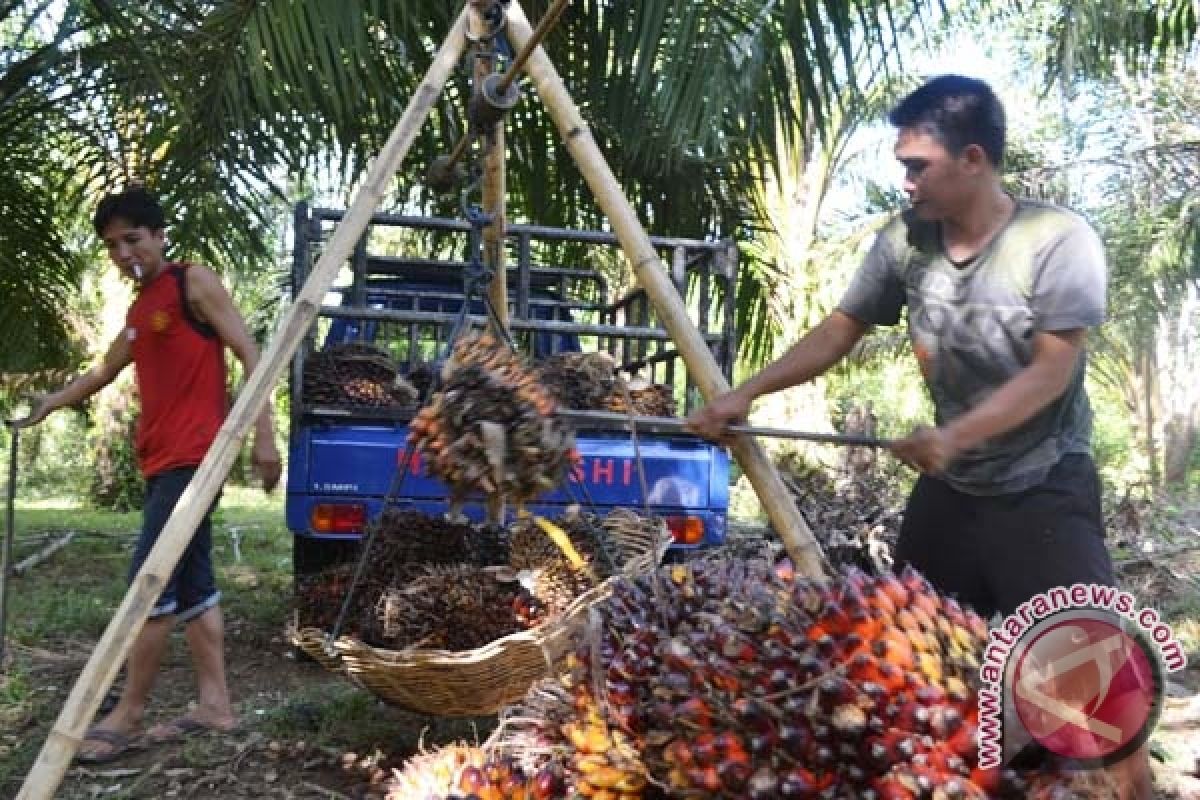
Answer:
(493, 98)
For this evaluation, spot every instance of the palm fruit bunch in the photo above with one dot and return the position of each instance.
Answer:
(741, 680)
(446, 608)
(491, 427)
(318, 596)
(550, 579)
(643, 398)
(562, 727)
(406, 537)
(355, 374)
(463, 772)
(582, 381)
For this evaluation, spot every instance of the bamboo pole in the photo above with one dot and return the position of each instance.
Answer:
(66, 735)
(654, 278)
(494, 176)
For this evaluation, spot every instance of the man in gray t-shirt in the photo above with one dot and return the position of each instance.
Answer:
(974, 326)
(999, 294)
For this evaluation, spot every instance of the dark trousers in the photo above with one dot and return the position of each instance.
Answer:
(995, 552)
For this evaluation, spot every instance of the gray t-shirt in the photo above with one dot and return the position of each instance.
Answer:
(972, 328)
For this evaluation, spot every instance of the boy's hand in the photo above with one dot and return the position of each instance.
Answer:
(41, 408)
(265, 458)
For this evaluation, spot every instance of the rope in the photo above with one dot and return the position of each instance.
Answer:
(544, 26)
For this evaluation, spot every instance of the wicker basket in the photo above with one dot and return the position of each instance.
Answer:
(484, 680)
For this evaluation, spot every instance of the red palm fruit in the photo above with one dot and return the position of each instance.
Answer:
(956, 789)
(472, 780)
(547, 784)
(695, 713)
(958, 692)
(854, 578)
(763, 785)
(944, 720)
(620, 691)
(729, 745)
(863, 667)
(986, 779)
(795, 739)
(734, 775)
(898, 745)
(704, 748)
(906, 621)
(761, 743)
(849, 721)
(894, 588)
(889, 788)
(834, 690)
(977, 626)
(927, 601)
(942, 760)
(798, 784)
(930, 695)
(894, 647)
(822, 756)
(678, 754)
(751, 714)
(925, 617)
(867, 623)
(892, 678)
(913, 580)
(964, 741)
(881, 601)
(705, 778)
(737, 647)
(852, 644)
(834, 619)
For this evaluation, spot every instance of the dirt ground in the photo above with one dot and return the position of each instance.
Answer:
(307, 733)
(290, 711)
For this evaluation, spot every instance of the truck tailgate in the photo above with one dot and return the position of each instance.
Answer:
(679, 471)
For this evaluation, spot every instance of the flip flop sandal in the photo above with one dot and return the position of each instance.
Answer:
(183, 727)
(119, 744)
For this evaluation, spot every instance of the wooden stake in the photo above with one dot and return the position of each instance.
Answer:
(494, 176)
(66, 735)
(654, 278)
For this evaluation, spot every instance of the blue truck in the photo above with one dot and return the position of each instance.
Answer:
(343, 458)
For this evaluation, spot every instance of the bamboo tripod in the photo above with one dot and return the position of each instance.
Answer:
(66, 735)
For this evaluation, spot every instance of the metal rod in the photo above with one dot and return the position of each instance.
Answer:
(544, 25)
(676, 424)
(9, 533)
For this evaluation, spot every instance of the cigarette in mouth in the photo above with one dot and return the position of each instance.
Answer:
(137, 271)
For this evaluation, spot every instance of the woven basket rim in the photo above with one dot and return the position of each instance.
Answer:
(357, 660)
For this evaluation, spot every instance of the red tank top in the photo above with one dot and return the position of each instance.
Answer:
(180, 367)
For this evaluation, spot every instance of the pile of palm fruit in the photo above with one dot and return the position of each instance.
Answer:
(589, 382)
(643, 398)
(433, 583)
(355, 374)
(491, 427)
(734, 679)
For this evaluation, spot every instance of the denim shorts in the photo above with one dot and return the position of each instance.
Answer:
(192, 589)
(995, 552)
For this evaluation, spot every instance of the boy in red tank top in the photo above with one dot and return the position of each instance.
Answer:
(175, 335)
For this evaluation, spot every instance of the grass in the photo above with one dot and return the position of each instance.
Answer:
(64, 604)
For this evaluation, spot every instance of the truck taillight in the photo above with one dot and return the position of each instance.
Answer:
(338, 517)
(686, 530)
